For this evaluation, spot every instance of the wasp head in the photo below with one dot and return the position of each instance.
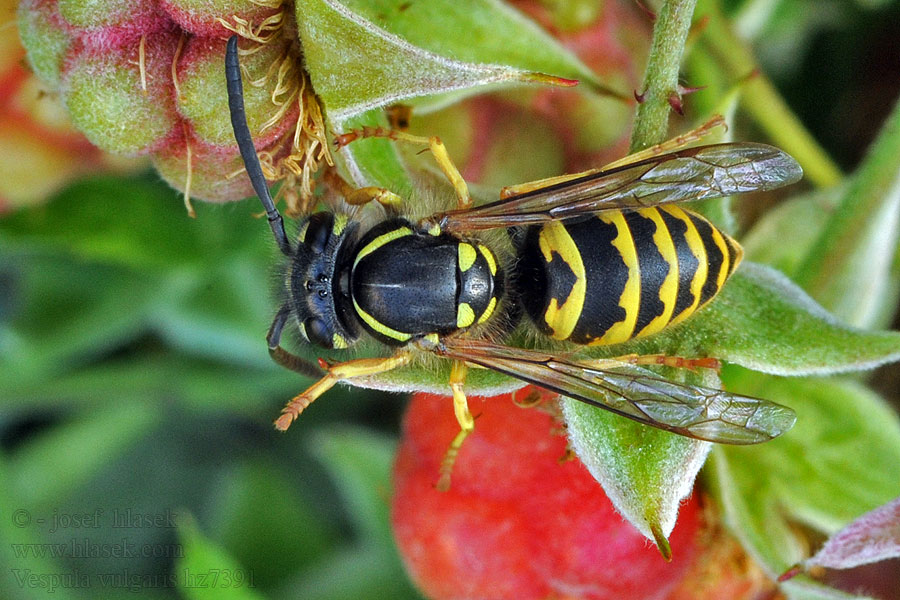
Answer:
(318, 280)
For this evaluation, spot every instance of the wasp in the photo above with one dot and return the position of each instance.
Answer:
(594, 258)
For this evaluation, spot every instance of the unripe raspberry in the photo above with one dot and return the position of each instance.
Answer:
(40, 151)
(519, 523)
(214, 173)
(136, 83)
(117, 18)
(120, 106)
(202, 94)
(201, 17)
(47, 38)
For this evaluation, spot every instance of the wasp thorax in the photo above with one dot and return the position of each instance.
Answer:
(319, 301)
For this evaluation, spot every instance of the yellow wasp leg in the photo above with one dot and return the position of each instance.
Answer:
(463, 417)
(665, 360)
(434, 144)
(673, 144)
(676, 143)
(363, 195)
(530, 186)
(359, 196)
(338, 372)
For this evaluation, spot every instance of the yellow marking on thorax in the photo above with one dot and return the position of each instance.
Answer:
(668, 291)
(489, 257)
(380, 241)
(692, 236)
(465, 316)
(488, 311)
(631, 295)
(467, 256)
(561, 318)
(380, 327)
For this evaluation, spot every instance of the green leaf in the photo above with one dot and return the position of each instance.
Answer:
(356, 65)
(69, 454)
(202, 285)
(848, 269)
(762, 321)
(12, 532)
(147, 231)
(476, 31)
(271, 542)
(783, 235)
(840, 460)
(98, 308)
(207, 570)
(365, 571)
(360, 464)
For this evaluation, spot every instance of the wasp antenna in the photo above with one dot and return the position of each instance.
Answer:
(245, 144)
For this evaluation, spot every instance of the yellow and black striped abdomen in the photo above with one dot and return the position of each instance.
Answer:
(616, 275)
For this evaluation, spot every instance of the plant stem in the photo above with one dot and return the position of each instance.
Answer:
(651, 122)
(762, 101)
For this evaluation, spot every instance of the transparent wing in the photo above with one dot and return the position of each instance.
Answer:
(691, 174)
(688, 410)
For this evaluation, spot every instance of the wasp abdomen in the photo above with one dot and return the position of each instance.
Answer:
(614, 276)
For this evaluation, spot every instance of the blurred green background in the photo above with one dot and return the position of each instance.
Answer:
(135, 382)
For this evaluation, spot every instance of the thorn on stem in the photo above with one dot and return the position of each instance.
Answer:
(675, 102)
(685, 90)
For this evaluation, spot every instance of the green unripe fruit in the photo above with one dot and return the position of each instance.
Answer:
(201, 17)
(203, 95)
(44, 36)
(117, 105)
(105, 13)
(209, 170)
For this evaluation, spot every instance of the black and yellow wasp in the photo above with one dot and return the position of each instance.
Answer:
(598, 257)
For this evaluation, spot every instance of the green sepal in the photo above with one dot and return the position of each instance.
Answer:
(356, 64)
